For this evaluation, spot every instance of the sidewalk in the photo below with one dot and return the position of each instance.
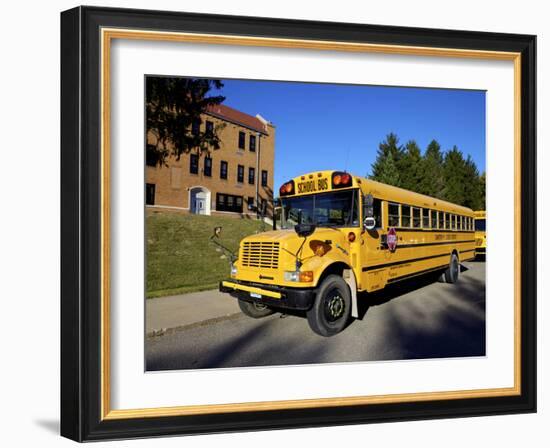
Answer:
(185, 309)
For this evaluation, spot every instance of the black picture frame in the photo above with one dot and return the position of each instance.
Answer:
(81, 204)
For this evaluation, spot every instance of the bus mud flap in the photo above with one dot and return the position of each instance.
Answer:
(349, 277)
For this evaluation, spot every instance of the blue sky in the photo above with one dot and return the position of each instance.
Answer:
(332, 126)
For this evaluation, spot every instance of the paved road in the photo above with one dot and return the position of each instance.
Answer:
(415, 319)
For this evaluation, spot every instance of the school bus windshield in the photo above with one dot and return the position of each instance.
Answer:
(335, 209)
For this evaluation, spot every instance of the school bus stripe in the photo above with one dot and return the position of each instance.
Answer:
(439, 243)
(395, 263)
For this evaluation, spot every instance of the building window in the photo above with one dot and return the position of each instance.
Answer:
(393, 215)
(240, 174)
(151, 156)
(223, 169)
(264, 178)
(416, 217)
(250, 203)
(229, 203)
(405, 216)
(150, 194)
(263, 206)
(220, 201)
(208, 166)
(194, 164)
(209, 129)
(242, 138)
(196, 127)
(252, 143)
(251, 175)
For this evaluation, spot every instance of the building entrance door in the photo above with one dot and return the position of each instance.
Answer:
(200, 208)
(199, 201)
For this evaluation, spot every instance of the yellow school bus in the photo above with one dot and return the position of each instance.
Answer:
(339, 235)
(480, 236)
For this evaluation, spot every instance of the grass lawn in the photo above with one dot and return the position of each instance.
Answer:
(181, 258)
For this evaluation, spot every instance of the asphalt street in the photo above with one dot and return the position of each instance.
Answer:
(419, 318)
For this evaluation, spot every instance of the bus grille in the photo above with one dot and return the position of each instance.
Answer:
(258, 254)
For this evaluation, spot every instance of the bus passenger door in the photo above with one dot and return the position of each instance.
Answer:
(373, 253)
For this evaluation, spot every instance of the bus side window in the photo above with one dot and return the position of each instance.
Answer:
(377, 209)
(441, 220)
(434, 219)
(393, 215)
(425, 218)
(447, 221)
(405, 216)
(416, 217)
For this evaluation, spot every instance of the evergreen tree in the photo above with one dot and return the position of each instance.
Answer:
(432, 169)
(454, 168)
(482, 204)
(472, 185)
(385, 167)
(410, 167)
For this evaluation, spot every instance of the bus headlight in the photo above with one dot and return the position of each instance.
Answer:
(298, 276)
(233, 270)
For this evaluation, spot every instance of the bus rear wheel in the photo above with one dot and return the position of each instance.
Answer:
(452, 272)
(254, 309)
(331, 310)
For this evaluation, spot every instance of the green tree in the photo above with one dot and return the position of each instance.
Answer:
(173, 105)
(454, 168)
(410, 167)
(432, 169)
(472, 185)
(482, 204)
(385, 167)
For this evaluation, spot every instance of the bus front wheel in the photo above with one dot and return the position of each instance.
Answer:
(451, 273)
(255, 310)
(331, 310)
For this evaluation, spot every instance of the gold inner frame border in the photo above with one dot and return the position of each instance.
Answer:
(107, 35)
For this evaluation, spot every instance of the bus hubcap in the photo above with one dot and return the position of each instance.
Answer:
(334, 306)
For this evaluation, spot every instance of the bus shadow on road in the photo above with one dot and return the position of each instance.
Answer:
(366, 300)
(442, 323)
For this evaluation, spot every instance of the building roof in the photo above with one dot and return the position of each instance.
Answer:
(236, 116)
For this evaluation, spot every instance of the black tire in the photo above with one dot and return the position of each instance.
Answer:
(254, 309)
(452, 272)
(332, 307)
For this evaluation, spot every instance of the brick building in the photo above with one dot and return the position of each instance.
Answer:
(233, 180)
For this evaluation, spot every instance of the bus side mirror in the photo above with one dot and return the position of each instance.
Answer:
(369, 222)
(304, 230)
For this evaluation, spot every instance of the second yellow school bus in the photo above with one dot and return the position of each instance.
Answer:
(480, 235)
(339, 235)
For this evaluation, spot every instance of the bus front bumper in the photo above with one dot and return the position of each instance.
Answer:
(273, 296)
